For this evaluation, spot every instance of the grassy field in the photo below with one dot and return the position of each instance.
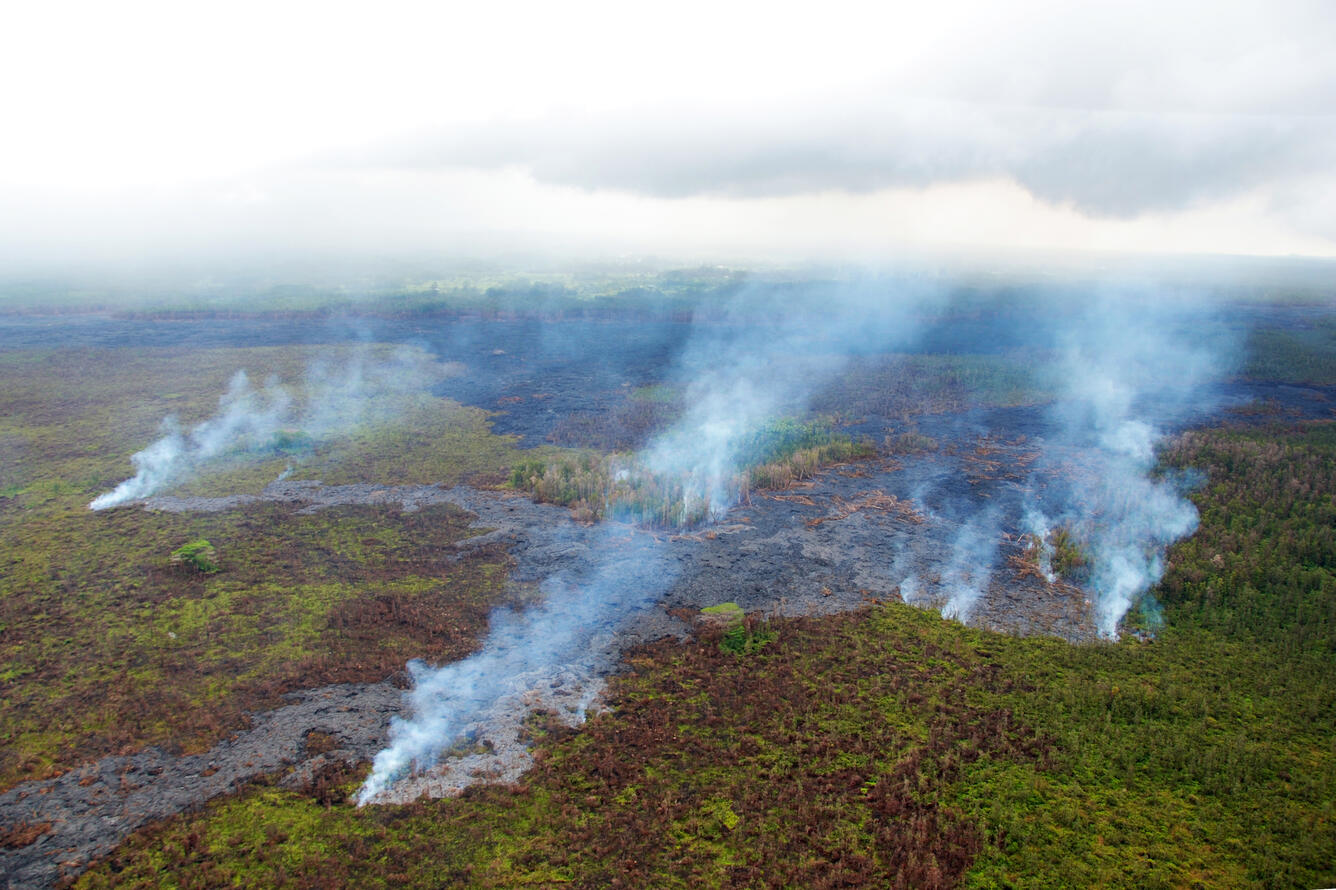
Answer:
(107, 645)
(892, 748)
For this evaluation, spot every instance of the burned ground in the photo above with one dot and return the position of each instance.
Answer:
(843, 541)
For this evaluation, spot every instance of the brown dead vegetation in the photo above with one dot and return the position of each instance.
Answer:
(22, 834)
(737, 718)
(876, 500)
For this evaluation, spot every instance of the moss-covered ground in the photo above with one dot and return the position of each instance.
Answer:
(106, 644)
(891, 748)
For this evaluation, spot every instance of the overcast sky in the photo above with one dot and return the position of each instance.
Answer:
(170, 129)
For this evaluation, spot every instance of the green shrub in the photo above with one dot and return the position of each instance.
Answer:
(910, 442)
(1069, 558)
(725, 614)
(741, 640)
(199, 556)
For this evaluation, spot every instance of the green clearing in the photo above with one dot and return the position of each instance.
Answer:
(892, 748)
(108, 644)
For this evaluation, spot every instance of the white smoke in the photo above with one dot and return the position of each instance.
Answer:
(249, 419)
(967, 575)
(764, 358)
(1129, 364)
(761, 360)
(246, 418)
(1038, 527)
(738, 376)
(568, 634)
(702, 449)
(1138, 517)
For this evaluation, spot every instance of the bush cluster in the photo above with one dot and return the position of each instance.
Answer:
(199, 556)
(620, 487)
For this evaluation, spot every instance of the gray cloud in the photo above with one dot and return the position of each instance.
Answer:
(1116, 109)
(1105, 163)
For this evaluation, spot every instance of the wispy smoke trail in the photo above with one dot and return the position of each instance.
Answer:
(1038, 527)
(739, 372)
(250, 419)
(1129, 367)
(973, 554)
(1122, 371)
(568, 634)
(245, 419)
(765, 357)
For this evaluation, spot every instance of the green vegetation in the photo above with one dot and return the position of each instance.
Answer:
(482, 290)
(739, 636)
(882, 748)
(1262, 567)
(198, 555)
(724, 614)
(1293, 355)
(743, 640)
(619, 487)
(1070, 561)
(892, 748)
(291, 442)
(72, 418)
(901, 386)
(107, 645)
(1060, 555)
(909, 442)
(871, 750)
(1067, 556)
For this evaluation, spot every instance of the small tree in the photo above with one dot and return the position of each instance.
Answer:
(198, 556)
(1069, 558)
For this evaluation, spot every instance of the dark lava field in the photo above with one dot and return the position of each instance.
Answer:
(903, 525)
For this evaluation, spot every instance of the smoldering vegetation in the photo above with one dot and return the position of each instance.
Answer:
(1008, 468)
(1109, 373)
(276, 420)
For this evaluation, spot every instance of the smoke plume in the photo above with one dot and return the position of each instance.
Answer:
(566, 636)
(741, 369)
(245, 418)
(1123, 371)
(764, 357)
(333, 400)
(1129, 368)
